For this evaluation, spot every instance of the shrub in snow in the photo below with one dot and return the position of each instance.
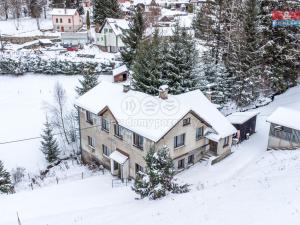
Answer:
(5, 181)
(89, 81)
(157, 180)
(17, 175)
(49, 144)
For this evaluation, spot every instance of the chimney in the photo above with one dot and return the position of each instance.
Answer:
(163, 91)
(126, 87)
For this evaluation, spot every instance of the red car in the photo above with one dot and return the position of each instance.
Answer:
(72, 49)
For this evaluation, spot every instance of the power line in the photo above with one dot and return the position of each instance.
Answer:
(38, 137)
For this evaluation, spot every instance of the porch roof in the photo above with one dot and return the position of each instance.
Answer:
(212, 137)
(118, 157)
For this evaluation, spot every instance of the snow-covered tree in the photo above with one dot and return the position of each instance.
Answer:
(279, 47)
(157, 180)
(5, 180)
(49, 144)
(88, 21)
(146, 70)
(106, 9)
(89, 81)
(133, 37)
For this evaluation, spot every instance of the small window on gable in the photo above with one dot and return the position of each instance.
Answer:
(89, 118)
(105, 124)
(186, 121)
(110, 30)
(105, 30)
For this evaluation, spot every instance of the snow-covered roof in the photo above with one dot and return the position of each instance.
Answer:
(120, 69)
(285, 117)
(241, 117)
(151, 116)
(118, 25)
(63, 12)
(118, 157)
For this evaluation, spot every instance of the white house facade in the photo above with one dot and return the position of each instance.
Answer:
(109, 37)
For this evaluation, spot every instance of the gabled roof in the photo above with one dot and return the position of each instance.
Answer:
(63, 12)
(120, 69)
(151, 116)
(117, 25)
(285, 117)
(241, 117)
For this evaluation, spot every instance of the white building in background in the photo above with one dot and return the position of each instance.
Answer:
(109, 37)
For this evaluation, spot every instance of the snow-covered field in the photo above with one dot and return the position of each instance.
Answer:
(25, 27)
(250, 187)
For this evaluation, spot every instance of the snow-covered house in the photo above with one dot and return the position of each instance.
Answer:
(120, 125)
(66, 20)
(109, 36)
(284, 129)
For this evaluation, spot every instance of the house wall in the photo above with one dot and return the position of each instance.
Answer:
(75, 24)
(286, 138)
(136, 155)
(107, 39)
(191, 147)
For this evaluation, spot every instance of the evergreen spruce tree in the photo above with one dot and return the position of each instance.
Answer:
(279, 47)
(5, 181)
(49, 144)
(89, 81)
(88, 21)
(157, 180)
(106, 9)
(146, 69)
(133, 37)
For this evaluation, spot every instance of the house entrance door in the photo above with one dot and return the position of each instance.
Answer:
(213, 147)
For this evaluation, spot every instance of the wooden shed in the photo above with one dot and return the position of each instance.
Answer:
(245, 123)
(120, 74)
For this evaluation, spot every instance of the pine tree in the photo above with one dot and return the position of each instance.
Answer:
(157, 180)
(133, 37)
(89, 81)
(49, 144)
(106, 9)
(146, 70)
(180, 58)
(88, 21)
(5, 181)
(279, 47)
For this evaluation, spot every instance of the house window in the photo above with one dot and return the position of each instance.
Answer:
(105, 125)
(69, 20)
(180, 164)
(57, 27)
(105, 150)
(110, 30)
(91, 142)
(186, 121)
(226, 141)
(199, 133)
(56, 20)
(102, 39)
(60, 20)
(179, 140)
(138, 141)
(118, 130)
(89, 117)
(138, 168)
(105, 30)
(70, 28)
(191, 159)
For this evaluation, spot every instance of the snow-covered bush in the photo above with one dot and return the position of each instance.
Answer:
(17, 175)
(157, 181)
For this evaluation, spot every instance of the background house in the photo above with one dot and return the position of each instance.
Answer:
(109, 36)
(131, 123)
(66, 20)
(284, 129)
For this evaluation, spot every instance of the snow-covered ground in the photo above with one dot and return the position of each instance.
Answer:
(250, 187)
(25, 27)
(23, 112)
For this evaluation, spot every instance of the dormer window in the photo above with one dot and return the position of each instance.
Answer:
(105, 124)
